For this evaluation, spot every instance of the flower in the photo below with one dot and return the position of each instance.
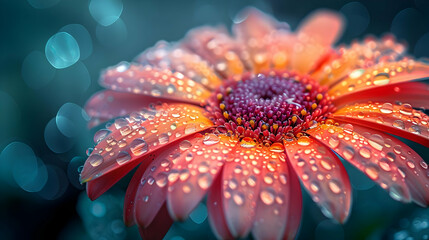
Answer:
(244, 119)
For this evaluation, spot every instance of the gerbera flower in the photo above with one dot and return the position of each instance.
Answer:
(244, 119)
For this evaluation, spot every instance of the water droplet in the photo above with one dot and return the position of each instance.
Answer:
(251, 181)
(232, 183)
(155, 92)
(161, 179)
(125, 130)
(386, 108)
(372, 172)
(123, 157)
(211, 139)
(314, 186)
(248, 142)
(185, 145)
(277, 147)
(384, 164)
(238, 199)
(304, 141)
(348, 153)
(334, 186)
(62, 50)
(100, 135)
(267, 196)
(381, 79)
(171, 88)
(189, 157)
(95, 160)
(190, 128)
(89, 151)
(163, 138)
(187, 188)
(283, 179)
(138, 146)
(204, 180)
(120, 123)
(334, 141)
(406, 109)
(348, 128)
(376, 141)
(398, 124)
(173, 126)
(365, 152)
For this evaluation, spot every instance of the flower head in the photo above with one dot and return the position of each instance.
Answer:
(244, 119)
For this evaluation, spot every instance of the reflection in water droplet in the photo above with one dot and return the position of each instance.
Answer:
(123, 157)
(95, 160)
(267, 196)
(381, 79)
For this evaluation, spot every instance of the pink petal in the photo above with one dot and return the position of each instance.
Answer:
(406, 159)
(272, 207)
(401, 120)
(295, 206)
(323, 176)
(109, 104)
(159, 227)
(215, 209)
(130, 195)
(241, 179)
(414, 93)
(98, 186)
(201, 162)
(150, 81)
(178, 59)
(141, 133)
(365, 154)
(151, 193)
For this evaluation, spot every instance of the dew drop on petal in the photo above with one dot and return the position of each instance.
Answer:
(95, 160)
(304, 141)
(376, 141)
(238, 199)
(334, 186)
(62, 50)
(386, 108)
(334, 141)
(101, 134)
(211, 139)
(267, 196)
(381, 79)
(372, 172)
(204, 180)
(163, 138)
(123, 157)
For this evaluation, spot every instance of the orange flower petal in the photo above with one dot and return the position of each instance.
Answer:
(314, 38)
(272, 206)
(134, 137)
(414, 93)
(407, 160)
(359, 55)
(295, 206)
(218, 48)
(181, 60)
(323, 176)
(401, 120)
(366, 154)
(202, 161)
(153, 82)
(380, 75)
(254, 33)
(325, 27)
(109, 104)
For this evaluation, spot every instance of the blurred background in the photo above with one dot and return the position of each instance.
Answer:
(51, 54)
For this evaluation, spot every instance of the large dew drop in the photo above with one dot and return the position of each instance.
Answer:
(62, 50)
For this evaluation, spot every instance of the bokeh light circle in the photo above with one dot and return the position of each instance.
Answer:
(74, 79)
(357, 18)
(421, 48)
(56, 185)
(71, 119)
(82, 37)
(36, 70)
(62, 50)
(105, 12)
(73, 171)
(55, 140)
(41, 4)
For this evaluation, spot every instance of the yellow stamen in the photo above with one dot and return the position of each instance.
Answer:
(303, 112)
(225, 115)
(219, 96)
(319, 97)
(314, 106)
(222, 106)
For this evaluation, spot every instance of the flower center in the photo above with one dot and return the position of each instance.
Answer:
(270, 107)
